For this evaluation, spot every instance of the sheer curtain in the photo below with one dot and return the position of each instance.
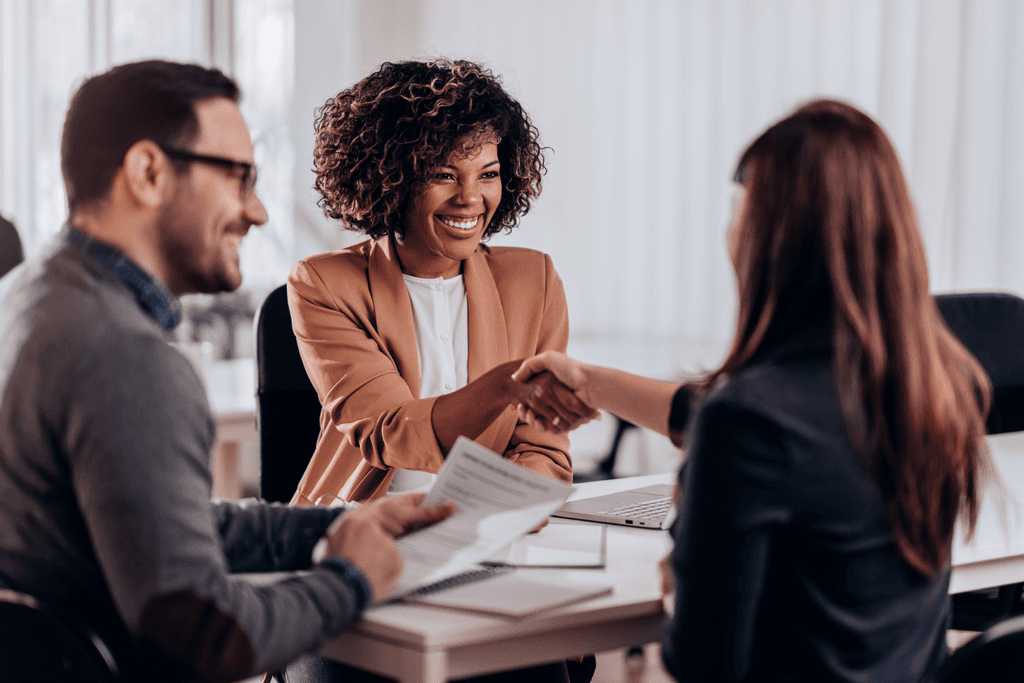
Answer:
(648, 104)
(47, 47)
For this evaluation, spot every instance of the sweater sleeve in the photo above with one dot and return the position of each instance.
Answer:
(732, 501)
(143, 483)
(270, 537)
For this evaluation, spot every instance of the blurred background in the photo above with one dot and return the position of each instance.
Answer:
(645, 104)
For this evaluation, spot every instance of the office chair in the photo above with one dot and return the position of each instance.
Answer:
(40, 642)
(11, 252)
(287, 406)
(993, 656)
(991, 326)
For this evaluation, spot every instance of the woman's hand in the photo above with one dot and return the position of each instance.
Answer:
(548, 404)
(559, 401)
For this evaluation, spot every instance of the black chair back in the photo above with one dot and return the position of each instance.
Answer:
(39, 642)
(993, 656)
(11, 253)
(991, 326)
(287, 406)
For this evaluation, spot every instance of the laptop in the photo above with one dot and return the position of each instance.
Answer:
(651, 507)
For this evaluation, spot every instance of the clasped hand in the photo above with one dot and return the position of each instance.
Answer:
(553, 396)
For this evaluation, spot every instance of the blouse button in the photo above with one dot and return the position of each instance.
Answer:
(447, 385)
(440, 287)
(444, 335)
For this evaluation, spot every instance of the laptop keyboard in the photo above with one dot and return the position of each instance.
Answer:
(655, 509)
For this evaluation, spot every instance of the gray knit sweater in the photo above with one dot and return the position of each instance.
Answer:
(105, 440)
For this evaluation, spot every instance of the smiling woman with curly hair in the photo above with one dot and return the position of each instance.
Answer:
(410, 337)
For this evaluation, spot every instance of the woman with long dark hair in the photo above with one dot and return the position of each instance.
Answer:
(831, 453)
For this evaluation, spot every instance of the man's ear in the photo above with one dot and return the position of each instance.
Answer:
(147, 172)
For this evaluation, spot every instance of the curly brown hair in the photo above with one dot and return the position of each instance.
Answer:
(378, 142)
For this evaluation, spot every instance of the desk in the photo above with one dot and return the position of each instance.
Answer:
(231, 388)
(995, 557)
(418, 644)
(424, 645)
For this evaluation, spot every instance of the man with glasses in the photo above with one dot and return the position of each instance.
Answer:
(105, 431)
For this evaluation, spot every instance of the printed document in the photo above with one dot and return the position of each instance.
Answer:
(496, 502)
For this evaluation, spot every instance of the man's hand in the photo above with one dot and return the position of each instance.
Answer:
(557, 401)
(366, 536)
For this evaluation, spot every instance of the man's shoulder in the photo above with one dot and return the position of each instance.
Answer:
(61, 308)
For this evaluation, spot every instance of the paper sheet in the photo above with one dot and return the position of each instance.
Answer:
(580, 546)
(496, 501)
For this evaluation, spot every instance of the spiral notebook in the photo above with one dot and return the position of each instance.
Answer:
(500, 590)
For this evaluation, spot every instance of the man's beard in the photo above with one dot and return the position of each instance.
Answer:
(197, 268)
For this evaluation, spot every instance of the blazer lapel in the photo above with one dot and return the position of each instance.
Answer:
(393, 311)
(488, 340)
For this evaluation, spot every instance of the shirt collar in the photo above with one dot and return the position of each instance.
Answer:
(153, 295)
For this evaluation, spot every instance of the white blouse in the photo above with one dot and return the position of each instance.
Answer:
(439, 311)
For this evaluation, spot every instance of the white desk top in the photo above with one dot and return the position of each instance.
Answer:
(632, 559)
(995, 556)
(419, 644)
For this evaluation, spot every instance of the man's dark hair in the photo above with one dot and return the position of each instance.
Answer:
(151, 100)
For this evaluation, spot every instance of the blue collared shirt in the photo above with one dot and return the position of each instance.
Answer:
(153, 295)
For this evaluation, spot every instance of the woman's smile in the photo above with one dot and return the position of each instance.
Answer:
(461, 223)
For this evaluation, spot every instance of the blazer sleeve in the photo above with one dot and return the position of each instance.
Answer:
(365, 398)
(732, 504)
(532, 448)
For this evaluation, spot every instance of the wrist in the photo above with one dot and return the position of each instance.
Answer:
(504, 389)
(362, 592)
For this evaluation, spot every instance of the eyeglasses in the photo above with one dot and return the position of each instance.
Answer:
(248, 176)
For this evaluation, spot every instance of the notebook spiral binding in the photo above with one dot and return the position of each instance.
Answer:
(465, 577)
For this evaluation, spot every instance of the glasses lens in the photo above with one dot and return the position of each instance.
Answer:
(249, 180)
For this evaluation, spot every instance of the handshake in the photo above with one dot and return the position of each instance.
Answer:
(551, 391)
(554, 393)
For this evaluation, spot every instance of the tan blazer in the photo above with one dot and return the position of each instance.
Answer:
(354, 323)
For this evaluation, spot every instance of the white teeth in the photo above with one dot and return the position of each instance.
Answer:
(467, 224)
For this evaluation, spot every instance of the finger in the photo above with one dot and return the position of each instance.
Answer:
(557, 416)
(398, 515)
(529, 368)
(527, 415)
(540, 526)
(563, 400)
(573, 403)
(526, 393)
(427, 516)
(566, 407)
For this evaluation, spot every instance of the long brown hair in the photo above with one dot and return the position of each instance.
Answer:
(827, 229)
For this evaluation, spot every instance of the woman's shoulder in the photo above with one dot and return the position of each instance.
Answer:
(793, 402)
(780, 385)
(350, 261)
(516, 262)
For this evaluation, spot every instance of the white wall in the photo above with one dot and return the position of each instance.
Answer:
(648, 104)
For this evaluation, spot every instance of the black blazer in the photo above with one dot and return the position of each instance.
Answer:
(784, 565)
